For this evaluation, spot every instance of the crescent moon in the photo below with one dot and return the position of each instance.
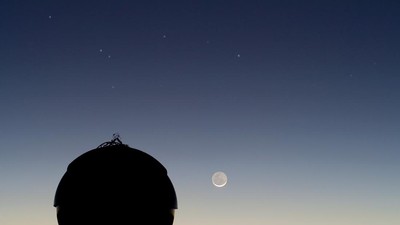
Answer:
(219, 179)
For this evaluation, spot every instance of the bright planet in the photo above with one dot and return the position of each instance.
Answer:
(219, 179)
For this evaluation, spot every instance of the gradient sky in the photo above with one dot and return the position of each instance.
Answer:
(297, 101)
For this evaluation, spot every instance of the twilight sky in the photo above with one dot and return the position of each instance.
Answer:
(297, 101)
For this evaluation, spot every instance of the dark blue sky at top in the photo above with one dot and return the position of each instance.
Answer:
(295, 43)
(288, 66)
(300, 38)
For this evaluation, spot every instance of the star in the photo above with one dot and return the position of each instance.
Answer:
(164, 36)
(101, 50)
(50, 17)
(238, 55)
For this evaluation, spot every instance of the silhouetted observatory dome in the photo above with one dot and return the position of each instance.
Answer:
(115, 184)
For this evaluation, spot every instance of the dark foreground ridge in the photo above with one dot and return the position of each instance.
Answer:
(115, 184)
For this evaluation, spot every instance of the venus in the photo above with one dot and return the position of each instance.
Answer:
(219, 179)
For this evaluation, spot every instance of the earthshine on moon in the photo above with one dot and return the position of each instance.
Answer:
(219, 179)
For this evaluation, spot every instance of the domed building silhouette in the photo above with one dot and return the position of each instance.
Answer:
(115, 184)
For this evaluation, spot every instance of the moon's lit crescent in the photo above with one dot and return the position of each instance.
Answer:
(219, 179)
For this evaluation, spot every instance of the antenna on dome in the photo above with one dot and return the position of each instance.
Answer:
(114, 141)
